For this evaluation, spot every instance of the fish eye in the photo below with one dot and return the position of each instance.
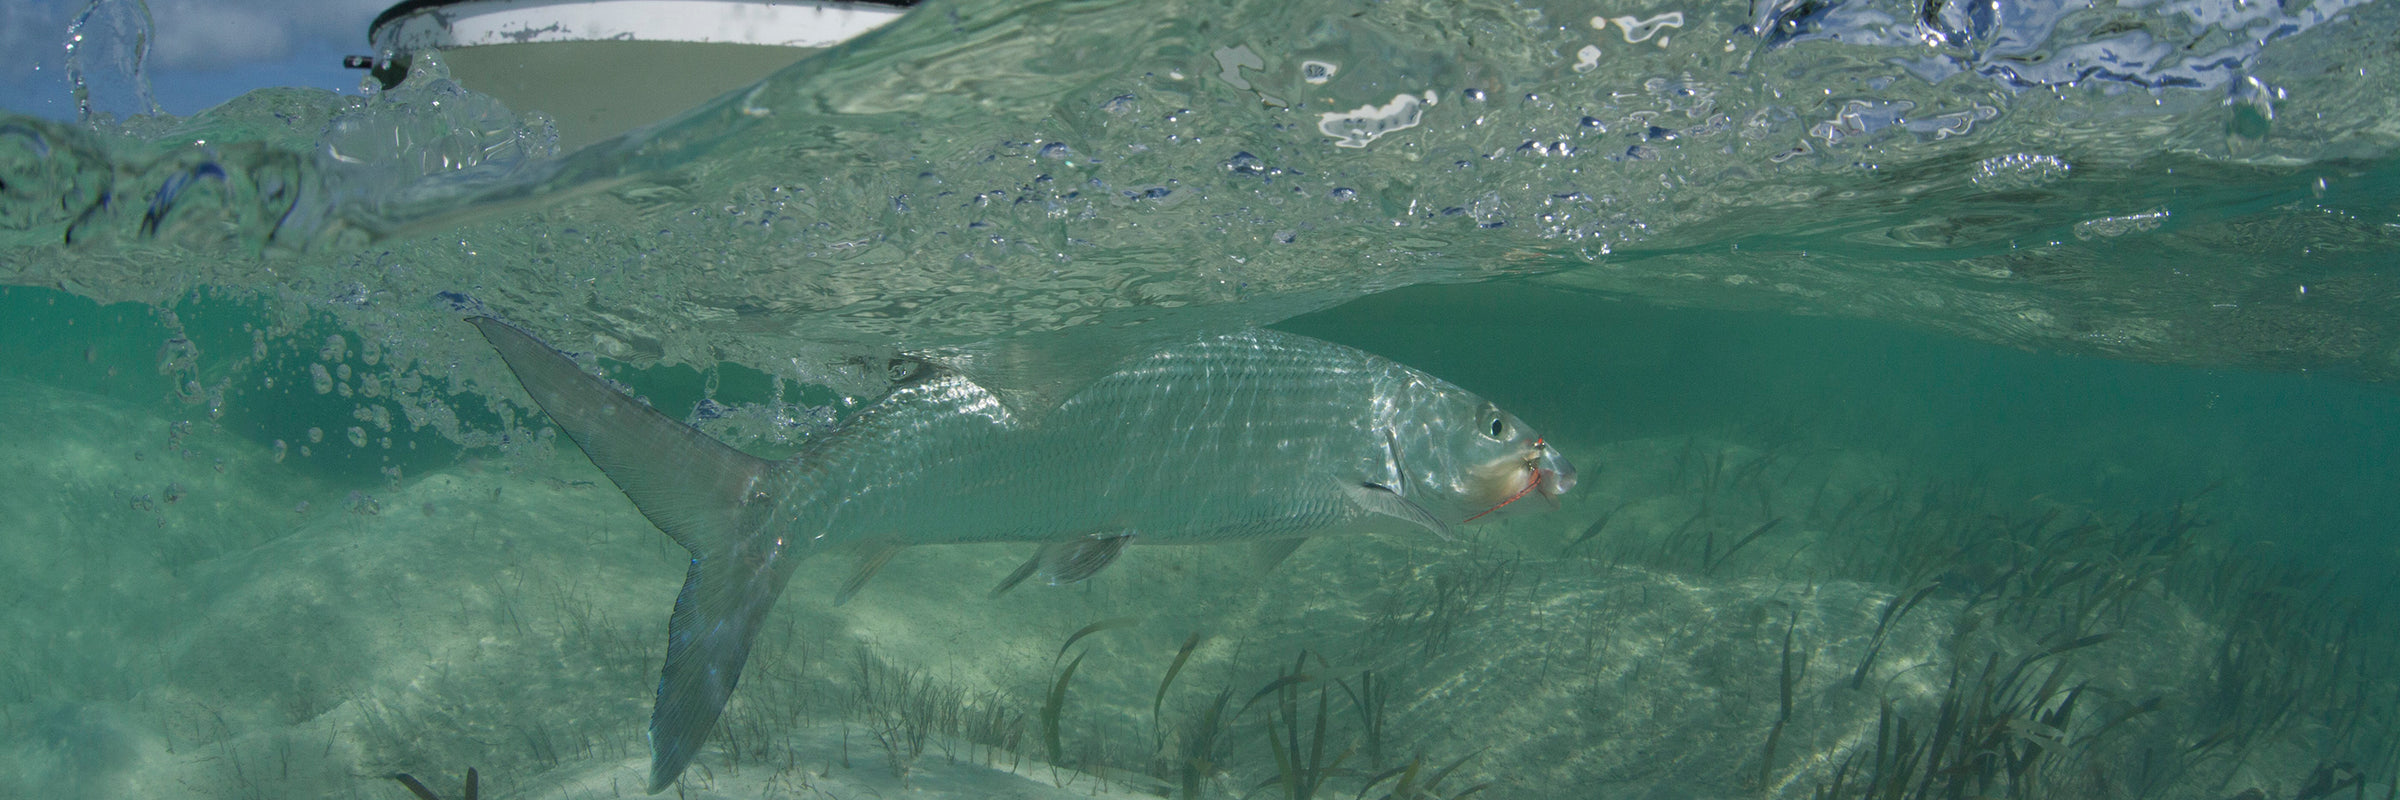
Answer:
(1499, 428)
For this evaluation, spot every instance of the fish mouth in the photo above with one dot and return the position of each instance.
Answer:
(1553, 473)
(1546, 474)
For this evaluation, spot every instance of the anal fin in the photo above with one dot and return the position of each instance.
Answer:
(1267, 554)
(1061, 563)
(870, 558)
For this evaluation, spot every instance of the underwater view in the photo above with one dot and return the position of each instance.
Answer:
(1827, 399)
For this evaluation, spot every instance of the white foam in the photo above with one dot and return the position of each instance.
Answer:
(1364, 124)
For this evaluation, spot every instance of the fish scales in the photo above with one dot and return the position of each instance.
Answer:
(1255, 435)
(1222, 440)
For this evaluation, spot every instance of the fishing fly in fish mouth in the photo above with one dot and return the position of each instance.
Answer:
(1530, 477)
(1256, 437)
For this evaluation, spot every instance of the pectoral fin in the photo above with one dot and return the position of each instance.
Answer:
(1379, 499)
(1068, 562)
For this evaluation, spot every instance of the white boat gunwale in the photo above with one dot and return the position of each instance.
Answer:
(414, 25)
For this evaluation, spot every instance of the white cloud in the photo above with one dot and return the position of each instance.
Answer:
(217, 39)
(202, 51)
(216, 34)
(192, 34)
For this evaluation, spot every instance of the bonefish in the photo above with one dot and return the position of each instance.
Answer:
(1256, 436)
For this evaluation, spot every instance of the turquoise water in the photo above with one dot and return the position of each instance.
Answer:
(1971, 401)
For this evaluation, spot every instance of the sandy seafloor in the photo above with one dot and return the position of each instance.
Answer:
(191, 618)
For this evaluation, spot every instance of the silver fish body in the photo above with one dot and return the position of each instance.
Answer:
(1245, 436)
(1251, 436)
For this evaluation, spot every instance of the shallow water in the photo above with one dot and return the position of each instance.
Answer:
(2019, 374)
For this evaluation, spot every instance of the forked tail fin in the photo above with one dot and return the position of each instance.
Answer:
(697, 490)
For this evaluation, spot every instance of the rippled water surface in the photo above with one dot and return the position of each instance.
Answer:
(2015, 372)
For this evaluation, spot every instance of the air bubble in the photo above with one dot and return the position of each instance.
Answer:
(2018, 171)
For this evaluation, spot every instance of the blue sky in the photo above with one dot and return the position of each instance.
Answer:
(204, 52)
